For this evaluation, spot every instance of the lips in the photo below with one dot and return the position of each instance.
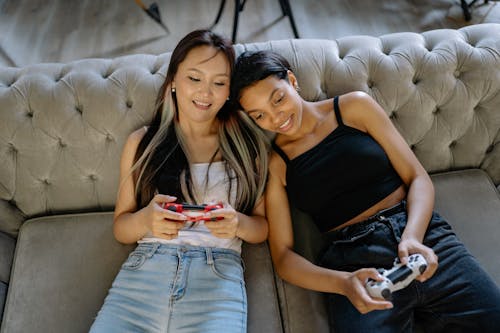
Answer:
(202, 105)
(286, 125)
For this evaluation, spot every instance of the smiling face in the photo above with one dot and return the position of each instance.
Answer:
(274, 104)
(202, 84)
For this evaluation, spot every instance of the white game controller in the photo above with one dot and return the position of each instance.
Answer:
(396, 278)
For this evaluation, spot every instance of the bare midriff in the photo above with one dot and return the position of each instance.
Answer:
(391, 200)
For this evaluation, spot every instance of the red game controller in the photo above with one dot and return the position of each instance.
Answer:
(194, 212)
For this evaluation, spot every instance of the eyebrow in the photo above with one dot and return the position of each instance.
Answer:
(269, 99)
(197, 70)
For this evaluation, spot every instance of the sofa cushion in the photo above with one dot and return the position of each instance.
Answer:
(62, 270)
(3, 295)
(7, 245)
(469, 201)
(11, 218)
(64, 266)
(263, 307)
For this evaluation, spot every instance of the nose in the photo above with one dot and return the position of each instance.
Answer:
(205, 89)
(277, 117)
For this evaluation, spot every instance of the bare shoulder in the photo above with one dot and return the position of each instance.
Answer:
(133, 141)
(358, 109)
(277, 167)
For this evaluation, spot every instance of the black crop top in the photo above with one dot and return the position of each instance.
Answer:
(339, 178)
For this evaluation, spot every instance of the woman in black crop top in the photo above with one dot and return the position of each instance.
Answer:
(343, 162)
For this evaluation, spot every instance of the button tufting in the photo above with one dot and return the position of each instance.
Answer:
(61, 143)
(490, 148)
(453, 144)
(436, 110)
(93, 177)
(79, 109)
(129, 104)
(393, 115)
(12, 148)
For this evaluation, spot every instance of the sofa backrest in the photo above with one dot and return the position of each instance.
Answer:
(62, 126)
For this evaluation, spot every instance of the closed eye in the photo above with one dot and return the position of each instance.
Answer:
(194, 79)
(280, 98)
(258, 116)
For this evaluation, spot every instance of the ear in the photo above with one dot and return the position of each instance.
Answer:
(292, 79)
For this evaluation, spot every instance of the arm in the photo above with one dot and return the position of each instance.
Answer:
(296, 269)
(131, 224)
(366, 114)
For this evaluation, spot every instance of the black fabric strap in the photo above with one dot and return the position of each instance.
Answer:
(280, 152)
(336, 109)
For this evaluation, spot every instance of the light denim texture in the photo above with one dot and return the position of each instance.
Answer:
(176, 288)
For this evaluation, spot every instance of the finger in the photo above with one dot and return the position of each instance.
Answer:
(432, 265)
(403, 255)
(375, 304)
(370, 273)
(161, 198)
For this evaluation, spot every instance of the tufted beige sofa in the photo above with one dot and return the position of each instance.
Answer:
(62, 128)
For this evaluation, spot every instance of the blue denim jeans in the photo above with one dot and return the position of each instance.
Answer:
(169, 288)
(460, 297)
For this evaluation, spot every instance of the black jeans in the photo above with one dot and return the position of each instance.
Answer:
(459, 297)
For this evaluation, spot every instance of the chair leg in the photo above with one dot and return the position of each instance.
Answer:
(287, 10)
(239, 5)
(219, 13)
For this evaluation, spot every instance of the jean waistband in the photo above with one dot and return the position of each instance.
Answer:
(190, 250)
(356, 227)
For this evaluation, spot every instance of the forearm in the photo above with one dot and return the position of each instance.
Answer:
(128, 228)
(252, 229)
(420, 204)
(297, 270)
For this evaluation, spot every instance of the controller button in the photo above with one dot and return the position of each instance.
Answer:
(422, 268)
(386, 293)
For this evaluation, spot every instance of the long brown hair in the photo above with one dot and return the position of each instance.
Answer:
(161, 164)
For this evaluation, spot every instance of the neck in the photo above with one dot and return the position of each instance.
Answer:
(198, 130)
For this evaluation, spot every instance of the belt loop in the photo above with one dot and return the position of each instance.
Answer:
(152, 250)
(210, 258)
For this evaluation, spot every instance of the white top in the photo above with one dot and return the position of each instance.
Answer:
(215, 191)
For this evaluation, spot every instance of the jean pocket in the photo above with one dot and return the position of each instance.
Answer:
(134, 261)
(228, 269)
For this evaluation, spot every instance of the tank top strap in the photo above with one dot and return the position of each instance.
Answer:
(280, 152)
(336, 109)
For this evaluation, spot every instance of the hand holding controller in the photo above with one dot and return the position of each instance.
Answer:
(193, 212)
(398, 277)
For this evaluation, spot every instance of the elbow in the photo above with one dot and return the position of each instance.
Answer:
(120, 236)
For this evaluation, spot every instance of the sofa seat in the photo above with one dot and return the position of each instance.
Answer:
(478, 228)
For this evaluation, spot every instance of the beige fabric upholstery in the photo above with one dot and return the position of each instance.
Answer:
(440, 88)
(63, 126)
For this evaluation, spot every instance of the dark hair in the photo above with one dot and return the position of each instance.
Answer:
(169, 155)
(254, 66)
(162, 165)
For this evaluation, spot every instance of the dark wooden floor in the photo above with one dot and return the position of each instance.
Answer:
(33, 31)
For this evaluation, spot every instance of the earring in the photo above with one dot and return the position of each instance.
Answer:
(173, 89)
(227, 99)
